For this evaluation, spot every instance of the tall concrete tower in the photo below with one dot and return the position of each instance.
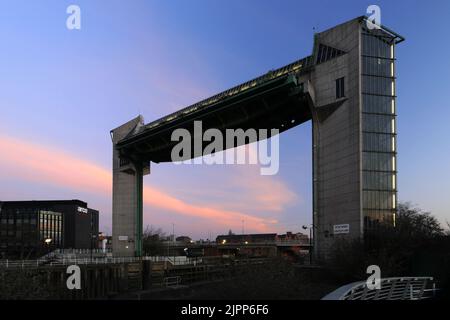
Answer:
(354, 132)
(128, 172)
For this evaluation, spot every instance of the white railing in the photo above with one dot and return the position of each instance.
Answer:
(262, 243)
(172, 281)
(174, 260)
(24, 264)
(399, 288)
(293, 242)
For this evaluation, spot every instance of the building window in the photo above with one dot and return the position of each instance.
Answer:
(379, 132)
(340, 91)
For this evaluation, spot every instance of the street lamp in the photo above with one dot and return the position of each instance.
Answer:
(93, 240)
(47, 242)
(310, 242)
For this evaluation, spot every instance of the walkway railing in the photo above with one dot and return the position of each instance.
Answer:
(172, 281)
(267, 243)
(399, 288)
(26, 264)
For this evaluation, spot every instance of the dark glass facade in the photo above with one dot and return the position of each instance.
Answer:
(378, 129)
(26, 225)
(23, 231)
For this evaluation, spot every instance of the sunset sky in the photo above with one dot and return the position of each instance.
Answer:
(62, 91)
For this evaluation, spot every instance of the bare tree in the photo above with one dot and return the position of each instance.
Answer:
(416, 245)
(152, 241)
(415, 222)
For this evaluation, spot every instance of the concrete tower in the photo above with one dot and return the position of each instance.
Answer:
(127, 203)
(354, 132)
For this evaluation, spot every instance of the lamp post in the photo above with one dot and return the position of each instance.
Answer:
(173, 232)
(310, 241)
(93, 241)
(47, 242)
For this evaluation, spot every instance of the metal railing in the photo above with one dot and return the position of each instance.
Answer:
(172, 281)
(296, 66)
(174, 260)
(267, 243)
(81, 251)
(398, 288)
(27, 264)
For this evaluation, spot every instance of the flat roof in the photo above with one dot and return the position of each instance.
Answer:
(46, 202)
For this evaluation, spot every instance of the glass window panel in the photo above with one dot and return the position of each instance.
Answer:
(373, 218)
(378, 180)
(377, 66)
(378, 123)
(378, 104)
(378, 199)
(377, 142)
(340, 90)
(376, 46)
(378, 161)
(377, 85)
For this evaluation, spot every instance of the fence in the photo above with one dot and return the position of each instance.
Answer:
(24, 264)
(400, 288)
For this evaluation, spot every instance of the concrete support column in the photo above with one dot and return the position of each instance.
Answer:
(139, 209)
(127, 195)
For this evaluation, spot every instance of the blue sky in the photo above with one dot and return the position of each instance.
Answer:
(62, 91)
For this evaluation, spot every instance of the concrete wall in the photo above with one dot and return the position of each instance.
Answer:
(336, 139)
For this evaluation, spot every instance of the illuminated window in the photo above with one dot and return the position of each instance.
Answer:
(379, 130)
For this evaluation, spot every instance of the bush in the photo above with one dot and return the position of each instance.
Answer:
(416, 246)
(24, 285)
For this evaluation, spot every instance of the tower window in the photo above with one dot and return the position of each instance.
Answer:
(340, 91)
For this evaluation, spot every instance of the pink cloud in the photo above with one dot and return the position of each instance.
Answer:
(37, 163)
(264, 193)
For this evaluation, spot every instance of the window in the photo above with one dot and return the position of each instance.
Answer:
(378, 123)
(340, 91)
(377, 66)
(377, 46)
(378, 85)
(326, 53)
(378, 104)
(378, 142)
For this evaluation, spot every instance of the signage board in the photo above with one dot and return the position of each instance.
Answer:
(82, 210)
(341, 228)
